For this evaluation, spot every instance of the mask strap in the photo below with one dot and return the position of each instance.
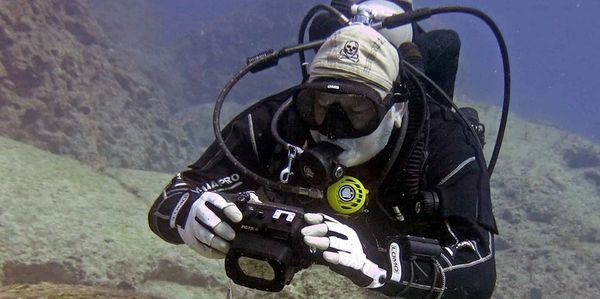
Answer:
(398, 92)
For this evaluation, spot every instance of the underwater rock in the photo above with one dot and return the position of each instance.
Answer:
(123, 285)
(48, 290)
(509, 216)
(535, 293)
(17, 272)
(538, 214)
(593, 177)
(65, 88)
(168, 271)
(581, 157)
(591, 235)
(501, 244)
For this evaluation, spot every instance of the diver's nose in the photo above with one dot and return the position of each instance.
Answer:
(334, 123)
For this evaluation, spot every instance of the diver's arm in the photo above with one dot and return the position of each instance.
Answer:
(469, 265)
(452, 258)
(409, 267)
(248, 138)
(163, 214)
(462, 265)
(465, 269)
(463, 226)
(212, 172)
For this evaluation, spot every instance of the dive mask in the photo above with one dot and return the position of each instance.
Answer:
(339, 109)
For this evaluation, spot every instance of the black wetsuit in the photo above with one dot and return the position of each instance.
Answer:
(454, 169)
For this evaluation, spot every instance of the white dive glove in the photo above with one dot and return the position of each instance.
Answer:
(204, 231)
(342, 249)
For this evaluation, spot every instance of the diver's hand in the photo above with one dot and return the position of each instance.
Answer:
(204, 231)
(342, 249)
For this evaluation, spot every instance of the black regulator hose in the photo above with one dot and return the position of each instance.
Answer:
(416, 158)
(423, 13)
(257, 62)
(284, 107)
(305, 21)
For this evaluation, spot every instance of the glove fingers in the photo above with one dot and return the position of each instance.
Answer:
(341, 244)
(321, 243)
(213, 254)
(224, 231)
(229, 209)
(209, 239)
(316, 230)
(220, 244)
(233, 213)
(201, 233)
(331, 257)
(207, 216)
(313, 218)
(215, 199)
(342, 229)
(329, 218)
(354, 261)
(343, 259)
(197, 246)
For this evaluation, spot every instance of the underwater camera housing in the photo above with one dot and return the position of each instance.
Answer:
(268, 249)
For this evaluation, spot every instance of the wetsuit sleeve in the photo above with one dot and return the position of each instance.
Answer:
(457, 173)
(169, 209)
(463, 264)
(249, 140)
(462, 268)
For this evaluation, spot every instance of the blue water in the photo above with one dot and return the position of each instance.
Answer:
(553, 48)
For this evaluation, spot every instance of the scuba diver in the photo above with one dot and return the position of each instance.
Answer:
(402, 203)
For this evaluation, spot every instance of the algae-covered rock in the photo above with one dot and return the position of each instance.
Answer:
(546, 210)
(64, 222)
(66, 291)
(68, 223)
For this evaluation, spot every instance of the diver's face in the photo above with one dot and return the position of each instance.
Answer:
(341, 109)
(360, 150)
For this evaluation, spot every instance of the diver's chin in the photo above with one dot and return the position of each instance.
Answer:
(356, 151)
(351, 158)
(341, 145)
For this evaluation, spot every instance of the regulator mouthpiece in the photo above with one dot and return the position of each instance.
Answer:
(318, 165)
(347, 196)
